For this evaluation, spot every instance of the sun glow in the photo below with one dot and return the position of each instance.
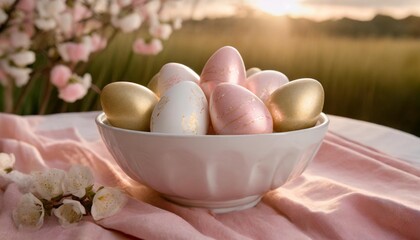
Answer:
(277, 8)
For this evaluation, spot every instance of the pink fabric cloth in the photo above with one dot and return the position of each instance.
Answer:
(349, 191)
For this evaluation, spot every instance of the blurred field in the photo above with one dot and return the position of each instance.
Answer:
(372, 79)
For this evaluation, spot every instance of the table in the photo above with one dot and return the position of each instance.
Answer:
(363, 184)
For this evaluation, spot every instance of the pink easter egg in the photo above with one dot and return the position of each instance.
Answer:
(225, 65)
(235, 110)
(265, 82)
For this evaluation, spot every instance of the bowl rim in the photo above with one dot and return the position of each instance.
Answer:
(100, 119)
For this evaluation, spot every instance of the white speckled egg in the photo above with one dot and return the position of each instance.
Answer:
(183, 109)
(171, 74)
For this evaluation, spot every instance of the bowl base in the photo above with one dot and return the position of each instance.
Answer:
(218, 206)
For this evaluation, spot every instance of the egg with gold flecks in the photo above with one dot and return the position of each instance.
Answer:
(263, 83)
(296, 105)
(235, 110)
(128, 105)
(183, 109)
(225, 65)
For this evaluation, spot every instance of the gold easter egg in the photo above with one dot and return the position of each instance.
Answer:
(296, 105)
(128, 105)
(153, 84)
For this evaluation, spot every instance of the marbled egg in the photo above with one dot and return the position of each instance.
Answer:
(183, 109)
(128, 105)
(235, 110)
(296, 105)
(265, 82)
(225, 65)
(173, 73)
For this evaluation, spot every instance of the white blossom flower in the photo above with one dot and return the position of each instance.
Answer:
(45, 24)
(7, 161)
(107, 202)
(66, 23)
(3, 16)
(77, 180)
(114, 8)
(50, 8)
(152, 6)
(29, 213)
(70, 213)
(87, 81)
(99, 6)
(125, 3)
(22, 180)
(23, 58)
(49, 184)
(20, 75)
(177, 23)
(127, 23)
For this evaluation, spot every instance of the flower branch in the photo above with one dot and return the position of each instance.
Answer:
(66, 195)
(39, 37)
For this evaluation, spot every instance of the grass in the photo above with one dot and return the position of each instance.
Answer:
(372, 79)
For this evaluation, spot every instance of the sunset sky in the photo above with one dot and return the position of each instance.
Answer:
(313, 9)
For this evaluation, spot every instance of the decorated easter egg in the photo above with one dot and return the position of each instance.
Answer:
(296, 105)
(173, 73)
(235, 110)
(225, 65)
(128, 105)
(265, 82)
(252, 71)
(183, 109)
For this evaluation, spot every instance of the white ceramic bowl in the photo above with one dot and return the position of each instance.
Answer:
(222, 173)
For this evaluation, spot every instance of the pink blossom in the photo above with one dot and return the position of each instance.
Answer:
(26, 5)
(60, 75)
(162, 31)
(72, 92)
(20, 39)
(152, 48)
(98, 42)
(80, 12)
(74, 52)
